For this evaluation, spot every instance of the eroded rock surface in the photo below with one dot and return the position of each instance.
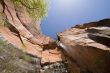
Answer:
(28, 50)
(13, 60)
(47, 56)
(88, 45)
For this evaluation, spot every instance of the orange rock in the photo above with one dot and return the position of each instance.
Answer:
(88, 45)
(55, 51)
(27, 47)
(45, 57)
(44, 39)
(55, 57)
(51, 56)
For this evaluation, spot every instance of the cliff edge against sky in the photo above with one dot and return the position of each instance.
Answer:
(84, 48)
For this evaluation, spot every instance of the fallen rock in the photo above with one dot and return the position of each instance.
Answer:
(52, 56)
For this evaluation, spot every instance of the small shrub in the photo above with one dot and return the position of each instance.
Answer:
(3, 43)
(27, 58)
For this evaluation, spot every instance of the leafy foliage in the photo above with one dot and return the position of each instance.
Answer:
(4, 43)
(27, 58)
(36, 8)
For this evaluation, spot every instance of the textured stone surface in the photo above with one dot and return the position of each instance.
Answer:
(25, 46)
(24, 49)
(29, 58)
(53, 55)
(13, 60)
(42, 56)
(50, 53)
(28, 50)
(31, 24)
(27, 27)
(88, 45)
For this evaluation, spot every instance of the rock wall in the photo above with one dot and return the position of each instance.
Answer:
(88, 46)
(82, 49)
(45, 59)
(28, 50)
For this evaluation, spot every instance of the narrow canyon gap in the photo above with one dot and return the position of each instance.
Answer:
(24, 49)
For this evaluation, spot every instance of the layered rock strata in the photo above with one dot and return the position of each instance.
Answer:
(88, 46)
(82, 49)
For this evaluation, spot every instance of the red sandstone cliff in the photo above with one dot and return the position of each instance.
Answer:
(88, 46)
(24, 49)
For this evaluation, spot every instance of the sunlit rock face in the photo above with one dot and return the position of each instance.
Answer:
(24, 56)
(40, 57)
(88, 46)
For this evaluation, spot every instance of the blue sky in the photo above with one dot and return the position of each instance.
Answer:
(63, 14)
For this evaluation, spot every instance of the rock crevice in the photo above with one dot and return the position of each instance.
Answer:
(78, 50)
(24, 49)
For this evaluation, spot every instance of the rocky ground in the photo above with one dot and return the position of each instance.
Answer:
(84, 48)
